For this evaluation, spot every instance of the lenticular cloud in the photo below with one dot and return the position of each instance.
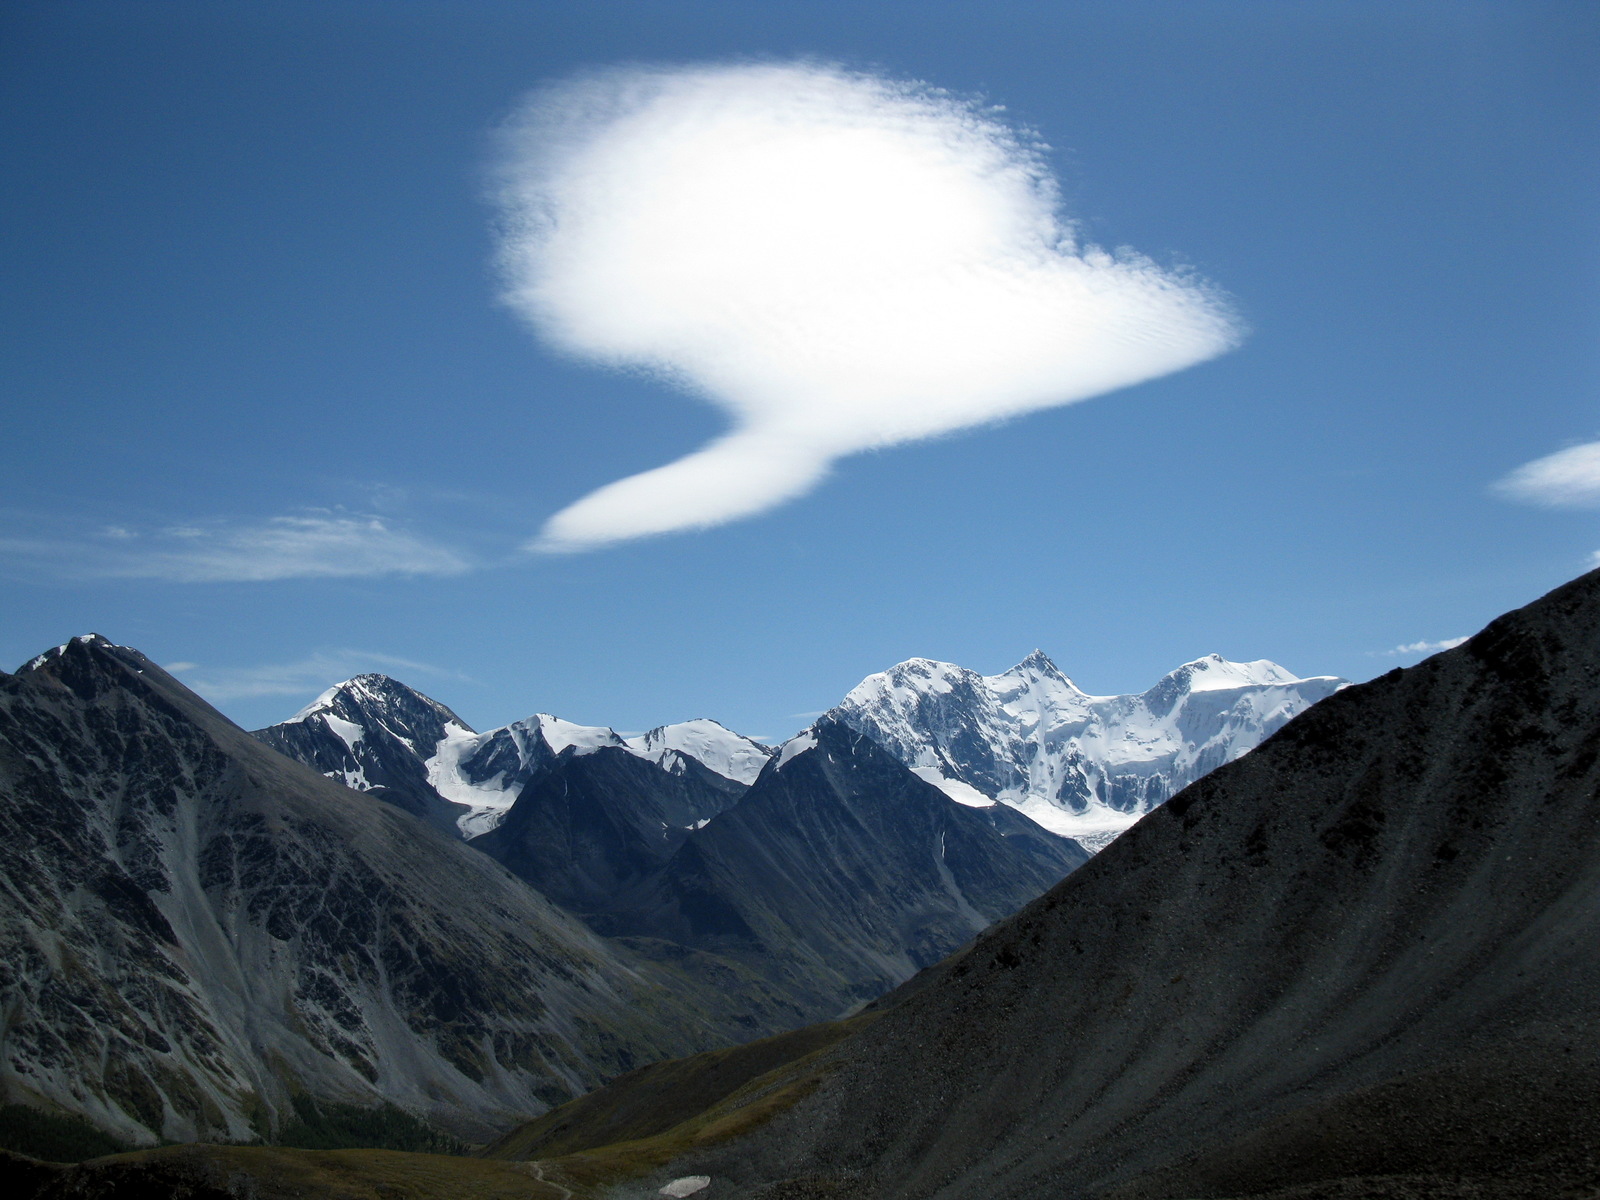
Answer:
(1568, 478)
(839, 261)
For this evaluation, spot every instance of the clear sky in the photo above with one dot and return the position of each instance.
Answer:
(268, 413)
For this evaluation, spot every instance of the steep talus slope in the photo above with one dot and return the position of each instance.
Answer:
(1363, 952)
(192, 927)
(840, 873)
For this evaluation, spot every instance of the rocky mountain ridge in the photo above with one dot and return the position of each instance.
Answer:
(1083, 766)
(375, 733)
(1357, 961)
(643, 840)
(194, 929)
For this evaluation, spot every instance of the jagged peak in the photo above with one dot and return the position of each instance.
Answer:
(96, 640)
(559, 733)
(1039, 664)
(1037, 660)
(1212, 672)
(369, 688)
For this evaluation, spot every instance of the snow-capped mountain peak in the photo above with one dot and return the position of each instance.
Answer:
(1215, 673)
(799, 744)
(362, 699)
(323, 703)
(562, 735)
(373, 732)
(1081, 765)
(913, 677)
(55, 652)
(486, 772)
(1037, 665)
(729, 754)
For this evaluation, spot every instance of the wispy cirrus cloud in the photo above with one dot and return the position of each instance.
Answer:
(838, 260)
(308, 545)
(1568, 478)
(1411, 649)
(306, 676)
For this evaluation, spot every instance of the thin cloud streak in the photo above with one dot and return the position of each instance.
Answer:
(1412, 648)
(304, 546)
(307, 677)
(837, 260)
(1569, 478)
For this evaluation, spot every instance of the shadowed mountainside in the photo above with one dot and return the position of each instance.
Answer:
(839, 874)
(1359, 961)
(194, 929)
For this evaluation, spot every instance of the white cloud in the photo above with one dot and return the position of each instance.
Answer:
(309, 545)
(306, 677)
(838, 260)
(1569, 478)
(1411, 648)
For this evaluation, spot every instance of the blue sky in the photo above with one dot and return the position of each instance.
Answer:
(254, 335)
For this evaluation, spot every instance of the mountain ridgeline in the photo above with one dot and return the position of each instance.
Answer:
(205, 931)
(1358, 961)
(840, 873)
(1082, 766)
(196, 930)
(829, 889)
(940, 809)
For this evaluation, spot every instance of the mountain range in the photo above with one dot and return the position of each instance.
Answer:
(1082, 766)
(1086, 767)
(1357, 961)
(196, 929)
(838, 877)
(830, 886)
(371, 902)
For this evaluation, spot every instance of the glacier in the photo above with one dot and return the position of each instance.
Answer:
(1086, 767)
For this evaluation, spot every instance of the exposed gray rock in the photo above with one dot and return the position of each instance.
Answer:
(588, 827)
(192, 927)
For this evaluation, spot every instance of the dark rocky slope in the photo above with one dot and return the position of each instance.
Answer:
(831, 879)
(586, 828)
(839, 874)
(193, 927)
(827, 882)
(1358, 961)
